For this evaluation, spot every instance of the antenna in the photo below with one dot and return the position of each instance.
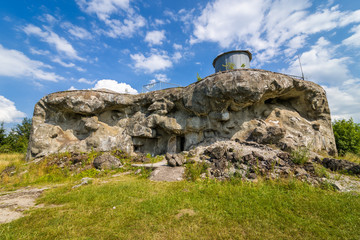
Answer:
(302, 73)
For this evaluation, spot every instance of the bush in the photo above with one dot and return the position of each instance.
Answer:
(347, 136)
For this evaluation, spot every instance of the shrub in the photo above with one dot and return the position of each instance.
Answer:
(347, 136)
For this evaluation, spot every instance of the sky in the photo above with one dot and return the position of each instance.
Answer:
(50, 46)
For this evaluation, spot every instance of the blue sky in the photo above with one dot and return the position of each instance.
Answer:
(57, 45)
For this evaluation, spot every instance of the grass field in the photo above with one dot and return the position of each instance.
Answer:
(129, 207)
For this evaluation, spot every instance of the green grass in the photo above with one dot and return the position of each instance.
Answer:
(222, 210)
(132, 207)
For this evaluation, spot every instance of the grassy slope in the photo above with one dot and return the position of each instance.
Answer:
(222, 210)
(147, 210)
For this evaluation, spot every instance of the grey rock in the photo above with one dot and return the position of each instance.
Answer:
(84, 181)
(243, 104)
(300, 171)
(107, 161)
(172, 162)
(338, 165)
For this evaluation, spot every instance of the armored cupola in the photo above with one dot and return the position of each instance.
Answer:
(235, 59)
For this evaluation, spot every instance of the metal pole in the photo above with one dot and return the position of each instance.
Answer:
(302, 73)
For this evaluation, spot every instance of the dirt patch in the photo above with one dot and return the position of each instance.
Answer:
(13, 204)
(184, 212)
(168, 174)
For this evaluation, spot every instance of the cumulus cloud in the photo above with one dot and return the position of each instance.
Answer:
(153, 63)
(322, 65)
(8, 111)
(105, 8)
(61, 44)
(15, 64)
(267, 27)
(114, 86)
(155, 37)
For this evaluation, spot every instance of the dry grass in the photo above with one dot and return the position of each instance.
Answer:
(352, 157)
(7, 159)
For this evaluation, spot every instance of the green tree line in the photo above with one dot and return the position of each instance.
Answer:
(17, 139)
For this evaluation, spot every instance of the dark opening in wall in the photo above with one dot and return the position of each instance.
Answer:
(180, 143)
(136, 148)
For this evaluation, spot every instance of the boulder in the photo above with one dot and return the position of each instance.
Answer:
(107, 161)
(341, 165)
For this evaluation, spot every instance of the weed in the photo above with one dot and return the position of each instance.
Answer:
(321, 171)
(194, 170)
(91, 156)
(229, 66)
(300, 156)
(198, 78)
(92, 173)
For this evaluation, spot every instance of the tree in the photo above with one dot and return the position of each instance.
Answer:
(347, 136)
(18, 138)
(2, 134)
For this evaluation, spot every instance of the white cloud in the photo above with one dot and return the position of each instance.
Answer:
(84, 80)
(78, 32)
(177, 56)
(115, 86)
(344, 102)
(353, 40)
(8, 111)
(72, 88)
(15, 64)
(322, 64)
(105, 8)
(61, 44)
(159, 22)
(160, 77)
(154, 62)
(126, 28)
(64, 64)
(39, 52)
(177, 46)
(269, 28)
(155, 37)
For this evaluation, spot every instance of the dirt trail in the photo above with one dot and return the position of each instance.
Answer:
(13, 204)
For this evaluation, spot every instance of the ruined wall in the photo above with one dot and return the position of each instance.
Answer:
(245, 104)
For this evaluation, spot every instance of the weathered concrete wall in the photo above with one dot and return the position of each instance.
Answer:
(246, 104)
